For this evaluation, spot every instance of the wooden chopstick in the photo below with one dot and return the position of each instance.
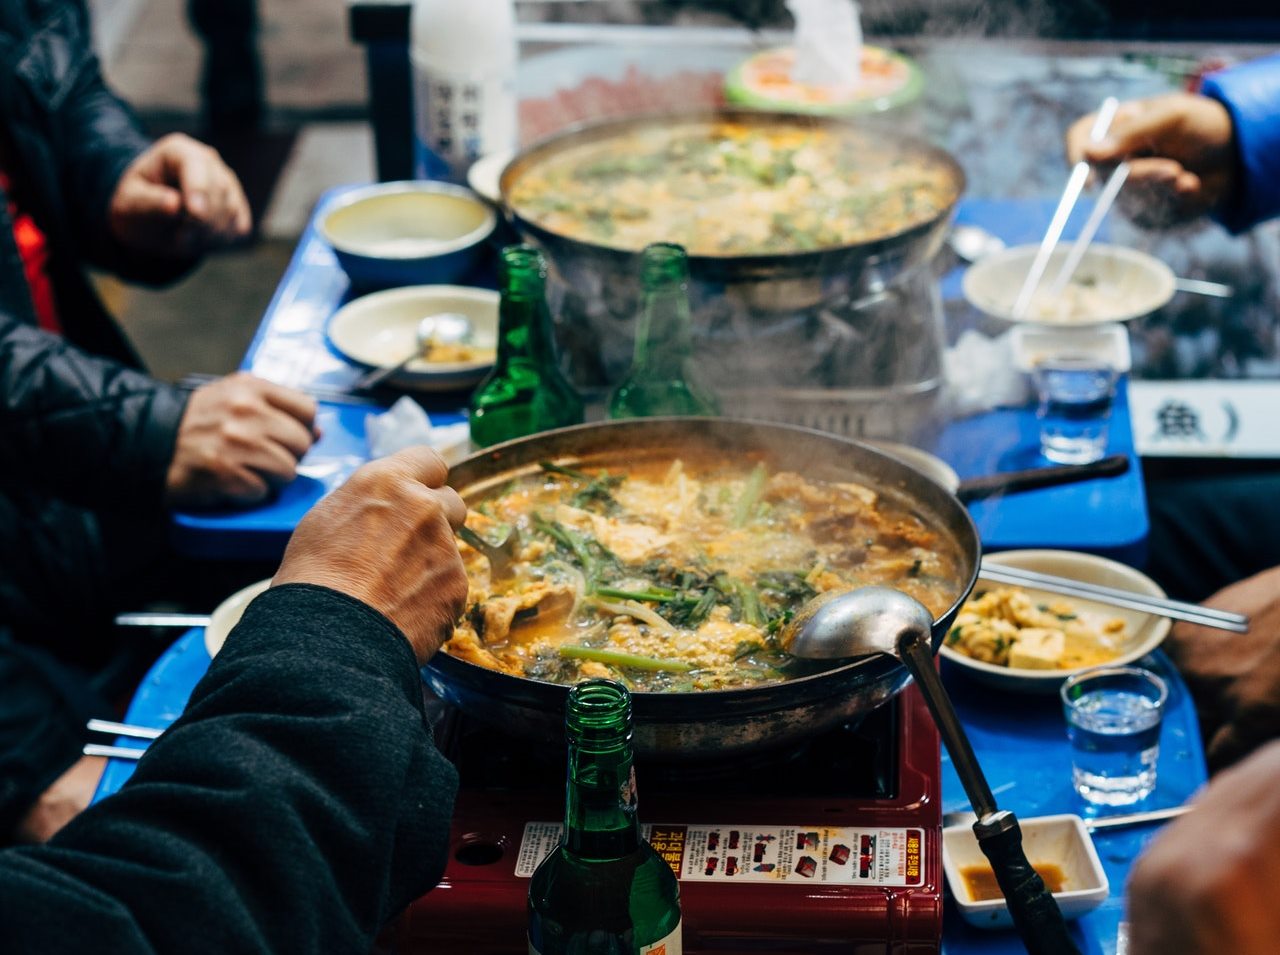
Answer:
(1175, 609)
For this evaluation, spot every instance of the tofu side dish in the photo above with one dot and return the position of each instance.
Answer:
(676, 575)
(1007, 627)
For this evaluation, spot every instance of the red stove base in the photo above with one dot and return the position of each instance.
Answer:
(479, 906)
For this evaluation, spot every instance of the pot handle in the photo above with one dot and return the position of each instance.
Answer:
(976, 489)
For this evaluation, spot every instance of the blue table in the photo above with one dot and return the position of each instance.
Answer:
(1020, 742)
(1107, 517)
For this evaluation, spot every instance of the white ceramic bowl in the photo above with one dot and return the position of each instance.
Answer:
(228, 614)
(931, 465)
(1121, 284)
(379, 329)
(1144, 631)
(407, 233)
(1060, 840)
(485, 175)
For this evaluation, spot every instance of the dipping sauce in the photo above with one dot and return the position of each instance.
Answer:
(980, 881)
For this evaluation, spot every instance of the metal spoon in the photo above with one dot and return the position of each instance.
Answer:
(971, 242)
(500, 555)
(870, 620)
(444, 328)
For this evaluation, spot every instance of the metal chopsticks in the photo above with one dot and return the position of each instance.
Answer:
(1091, 226)
(1174, 609)
(119, 729)
(1075, 185)
(332, 395)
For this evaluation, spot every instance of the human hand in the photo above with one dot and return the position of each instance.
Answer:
(1234, 678)
(240, 437)
(1207, 883)
(68, 796)
(386, 538)
(1181, 153)
(178, 198)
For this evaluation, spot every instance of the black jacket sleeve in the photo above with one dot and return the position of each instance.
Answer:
(83, 428)
(95, 136)
(296, 806)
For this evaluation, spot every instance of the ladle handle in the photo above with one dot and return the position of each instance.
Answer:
(917, 654)
(1035, 913)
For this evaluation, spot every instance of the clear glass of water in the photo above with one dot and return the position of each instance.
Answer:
(1075, 398)
(1113, 723)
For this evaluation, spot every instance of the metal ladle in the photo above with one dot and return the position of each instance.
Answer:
(443, 328)
(870, 620)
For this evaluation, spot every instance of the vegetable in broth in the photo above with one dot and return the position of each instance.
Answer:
(678, 575)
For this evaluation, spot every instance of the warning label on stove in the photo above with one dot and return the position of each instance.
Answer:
(726, 853)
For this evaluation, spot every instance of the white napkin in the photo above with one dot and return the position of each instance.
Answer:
(828, 42)
(982, 374)
(405, 424)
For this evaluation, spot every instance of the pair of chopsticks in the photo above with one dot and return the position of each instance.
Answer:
(1070, 195)
(332, 395)
(119, 729)
(1174, 609)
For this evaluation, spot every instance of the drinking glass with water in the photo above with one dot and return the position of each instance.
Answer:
(1075, 398)
(1113, 723)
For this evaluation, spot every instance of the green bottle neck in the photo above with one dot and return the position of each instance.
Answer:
(524, 331)
(664, 344)
(600, 798)
(600, 805)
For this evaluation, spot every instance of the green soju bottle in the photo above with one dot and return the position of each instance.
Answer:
(525, 392)
(662, 380)
(603, 890)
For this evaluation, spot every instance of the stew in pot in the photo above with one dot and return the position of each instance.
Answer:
(731, 188)
(676, 575)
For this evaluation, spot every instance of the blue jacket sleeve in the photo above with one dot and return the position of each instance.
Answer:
(1251, 94)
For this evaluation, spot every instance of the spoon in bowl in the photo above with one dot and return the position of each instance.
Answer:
(870, 620)
(443, 328)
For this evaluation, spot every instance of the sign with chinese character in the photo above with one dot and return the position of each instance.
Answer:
(1218, 419)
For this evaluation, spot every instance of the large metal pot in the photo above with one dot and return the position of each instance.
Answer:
(777, 281)
(798, 319)
(720, 722)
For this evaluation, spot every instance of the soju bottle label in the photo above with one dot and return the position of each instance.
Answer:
(672, 944)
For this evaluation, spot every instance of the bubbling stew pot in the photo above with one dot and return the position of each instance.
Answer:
(710, 723)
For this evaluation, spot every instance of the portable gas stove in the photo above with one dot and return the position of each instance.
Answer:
(834, 845)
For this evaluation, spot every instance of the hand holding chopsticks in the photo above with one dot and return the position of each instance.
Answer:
(1174, 609)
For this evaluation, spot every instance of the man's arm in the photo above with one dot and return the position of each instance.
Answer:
(95, 137)
(83, 428)
(297, 805)
(1251, 94)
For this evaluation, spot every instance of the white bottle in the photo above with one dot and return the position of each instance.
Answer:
(464, 58)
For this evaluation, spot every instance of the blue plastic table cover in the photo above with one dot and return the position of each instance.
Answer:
(1106, 516)
(1020, 742)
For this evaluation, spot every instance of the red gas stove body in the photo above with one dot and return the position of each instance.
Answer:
(836, 847)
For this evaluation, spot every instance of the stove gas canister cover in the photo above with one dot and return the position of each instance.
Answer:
(779, 854)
